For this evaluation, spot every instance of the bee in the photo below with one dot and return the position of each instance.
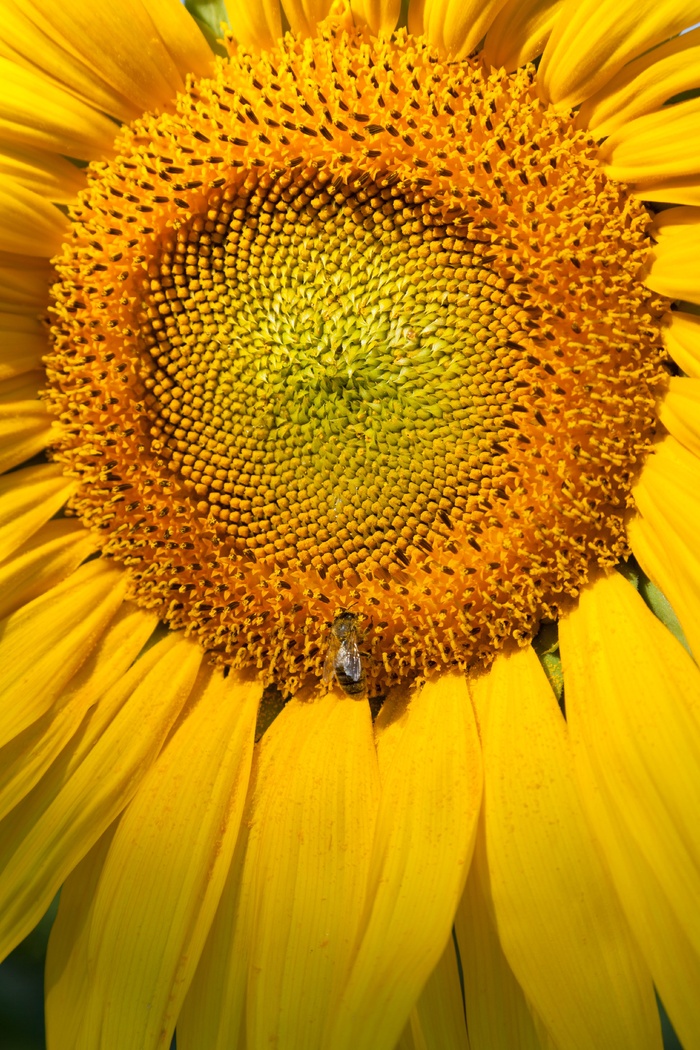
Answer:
(343, 660)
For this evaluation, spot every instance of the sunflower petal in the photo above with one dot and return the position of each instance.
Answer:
(665, 537)
(455, 27)
(24, 285)
(304, 15)
(437, 1021)
(28, 223)
(557, 914)
(644, 85)
(520, 32)
(45, 174)
(90, 783)
(315, 809)
(25, 430)
(53, 553)
(94, 57)
(67, 971)
(430, 768)
(681, 336)
(633, 705)
(257, 26)
(499, 1015)
(42, 115)
(146, 943)
(44, 643)
(680, 412)
(380, 15)
(656, 151)
(28, 498)
(22, 344)
(213, 1011)
(673, 269)
(592, 41)
(28, 756)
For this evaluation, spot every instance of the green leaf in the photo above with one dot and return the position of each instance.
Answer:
(209, 16)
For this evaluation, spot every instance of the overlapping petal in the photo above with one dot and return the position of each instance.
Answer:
(499, 1015)
(520, 32)
(44, 643)
(455, 27)
(633, 707)
(92, 780)
(681, 335)
(673, 269)
(556, 910)
(94, 58)
(591, 42)
(29, 755)
(42, 562)
(431, 778)
(256, 26)
(657, 154)
(28, 498)
(643, 86)
(143, 946)
(664, 537)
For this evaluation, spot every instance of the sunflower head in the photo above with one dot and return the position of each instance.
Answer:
(353, 326)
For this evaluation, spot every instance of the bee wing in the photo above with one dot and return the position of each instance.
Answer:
(329, 662)
(350, 661)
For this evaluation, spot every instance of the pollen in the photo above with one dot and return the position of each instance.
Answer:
(353, 328)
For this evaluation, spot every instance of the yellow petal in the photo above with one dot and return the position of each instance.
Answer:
(380, 15)
(213, 1012)
(520, 32)
(633, 706)
(437, 1021)
(24, 387)
(680, 412)
(430, 769)
(164, 872)
(25, 430)
(28, 756)
(681, 335)
(664, 538)
(24, 285)
(455, 27)
(644, 85)
(67, 970)
(304, 15)
(28, 223)
(314, 810)
(593, 40)
(43, 644)
(657, 150)
(22, 344)
(90, 783)
(557, 914)
(95, 58)
(45, 174)
(54, 552)
(673, 269)
(257, 26)
(42, 115)
(675, 569)
(498, 1013)
(28, 498)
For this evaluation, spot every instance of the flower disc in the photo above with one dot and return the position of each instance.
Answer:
(355, 328)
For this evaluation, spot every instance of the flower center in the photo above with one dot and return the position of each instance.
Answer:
(355, 329)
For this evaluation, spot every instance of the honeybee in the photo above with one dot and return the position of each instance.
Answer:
(343, 659)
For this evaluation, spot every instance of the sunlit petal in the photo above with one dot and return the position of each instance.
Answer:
(633, 705)
(557, 914)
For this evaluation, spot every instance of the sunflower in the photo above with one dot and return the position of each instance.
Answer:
(350, 416)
